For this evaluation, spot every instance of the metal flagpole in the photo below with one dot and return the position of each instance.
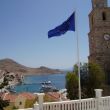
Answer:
(78, 58)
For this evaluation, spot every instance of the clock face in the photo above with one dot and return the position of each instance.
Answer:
(106, 36)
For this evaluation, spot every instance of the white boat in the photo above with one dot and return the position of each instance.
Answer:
(47, 86)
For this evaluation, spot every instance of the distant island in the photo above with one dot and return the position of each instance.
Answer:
(12, 66)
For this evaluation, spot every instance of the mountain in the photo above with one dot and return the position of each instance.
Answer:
(12, 66)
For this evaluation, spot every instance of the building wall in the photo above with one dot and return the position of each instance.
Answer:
(99, 19)
(20, 102)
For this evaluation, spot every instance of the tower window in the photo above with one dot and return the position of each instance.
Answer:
(103, 16)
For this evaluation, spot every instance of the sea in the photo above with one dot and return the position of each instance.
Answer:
(32, 83)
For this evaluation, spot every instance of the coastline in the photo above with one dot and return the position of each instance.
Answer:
(31, 74)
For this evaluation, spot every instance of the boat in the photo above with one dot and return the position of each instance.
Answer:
(47, 86)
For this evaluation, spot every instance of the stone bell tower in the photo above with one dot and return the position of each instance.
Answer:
(99, 35)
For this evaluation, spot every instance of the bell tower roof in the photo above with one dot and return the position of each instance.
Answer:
(99, 3)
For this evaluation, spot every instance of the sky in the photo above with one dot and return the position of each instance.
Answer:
(24, 25)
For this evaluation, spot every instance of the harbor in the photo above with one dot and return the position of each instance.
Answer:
(34, 83)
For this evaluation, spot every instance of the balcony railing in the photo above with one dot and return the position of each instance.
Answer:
(98, 103)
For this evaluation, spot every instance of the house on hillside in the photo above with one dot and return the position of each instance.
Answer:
(25, 100)
(22, 100)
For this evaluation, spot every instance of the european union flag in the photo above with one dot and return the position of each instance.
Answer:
(68, 25)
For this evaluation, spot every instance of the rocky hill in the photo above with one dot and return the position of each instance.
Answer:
(12, 66)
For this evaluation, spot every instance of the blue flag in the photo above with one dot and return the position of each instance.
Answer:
(68, 25)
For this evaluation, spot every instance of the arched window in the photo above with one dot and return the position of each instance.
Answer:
(20, 103)
(103, 16)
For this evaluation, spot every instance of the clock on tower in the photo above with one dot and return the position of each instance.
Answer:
(99, 35)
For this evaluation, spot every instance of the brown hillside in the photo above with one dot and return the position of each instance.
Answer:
(12, 66)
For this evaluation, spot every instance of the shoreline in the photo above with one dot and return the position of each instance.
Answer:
(37, 74)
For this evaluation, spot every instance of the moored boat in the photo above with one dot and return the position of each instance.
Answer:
(47, 86)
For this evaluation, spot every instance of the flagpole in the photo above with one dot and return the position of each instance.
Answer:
(78, 56)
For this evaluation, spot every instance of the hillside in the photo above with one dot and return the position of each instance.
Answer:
(12, 66)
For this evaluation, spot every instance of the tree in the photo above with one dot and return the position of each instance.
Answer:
(96, 78)
(92, 77)
(3, 103)
(72, 85)
(75, 69)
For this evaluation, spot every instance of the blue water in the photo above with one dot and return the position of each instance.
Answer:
(33, 83)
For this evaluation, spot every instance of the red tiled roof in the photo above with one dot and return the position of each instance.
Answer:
(54, 95)
(27, 95)
(9, 96)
